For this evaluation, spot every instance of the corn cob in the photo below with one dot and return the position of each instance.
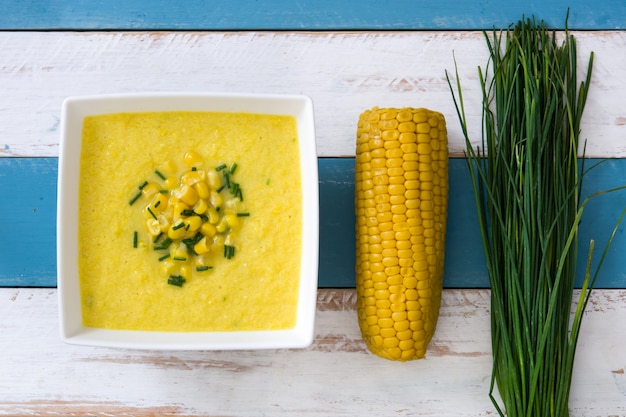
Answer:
(401, 202)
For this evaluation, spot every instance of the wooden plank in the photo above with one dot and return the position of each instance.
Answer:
(28, 221)
(27, 258)
(336, 376)
(286, 14)
(343, 72)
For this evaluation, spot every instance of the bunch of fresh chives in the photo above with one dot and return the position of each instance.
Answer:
(527, 181)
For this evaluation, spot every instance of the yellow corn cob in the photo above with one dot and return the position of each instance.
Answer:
(401, 202)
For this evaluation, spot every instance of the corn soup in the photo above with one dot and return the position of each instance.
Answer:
(244, 278)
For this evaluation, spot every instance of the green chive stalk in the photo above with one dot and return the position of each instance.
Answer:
(527, 180)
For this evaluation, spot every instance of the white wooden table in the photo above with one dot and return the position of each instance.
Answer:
(344, 72)
(336, 376)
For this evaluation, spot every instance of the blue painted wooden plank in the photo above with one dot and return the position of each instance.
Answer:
(28, 213)
(28, 222)
(298, 15)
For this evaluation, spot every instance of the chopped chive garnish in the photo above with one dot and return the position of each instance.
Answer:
(243, 214)
(160, 175)
(135, 239)
(159, 236)
(143, 185)
(163, 191)
(151, 213)
(221, 188)
(164, 245)
(234, 188)
(135, 198)
(190, 241)
(179, 258)
(226, 179)
(203, 268)
(221, 167)
(187, 213)
(233, 168)
(178, 226)
(157, 204)
(229, 251)
(176, 280)
(239, 194)
(164, 257)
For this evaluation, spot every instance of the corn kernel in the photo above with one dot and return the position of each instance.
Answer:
(177, 230)
(159, 203)
(192, 158)
(202, 188)
(171, 182)
(202, 247)
(153, 227)
(201, 207)
(187, 195)
(193, 223)
(213, 215)
(150, 189)
(216, 199)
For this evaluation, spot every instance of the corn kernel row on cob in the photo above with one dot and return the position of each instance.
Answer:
(401, 201)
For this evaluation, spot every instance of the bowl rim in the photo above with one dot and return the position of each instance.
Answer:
(74, 109)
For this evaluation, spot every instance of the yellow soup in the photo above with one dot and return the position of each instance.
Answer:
(125, 278)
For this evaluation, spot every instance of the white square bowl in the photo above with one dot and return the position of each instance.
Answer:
(72, 330)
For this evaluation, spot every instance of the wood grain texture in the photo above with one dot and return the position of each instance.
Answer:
(336, 376)
(344, 73)
(295, 15)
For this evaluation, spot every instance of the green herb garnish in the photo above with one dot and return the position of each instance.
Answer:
(176, 280)
(220, 167)
(151, 213)
(243, 214)
(179, 258)
(203, 268)
(160, 175)
(164, 244)
(135, 198)
(135, 238)
(164, 257)
(190, 241)
(141, 187)
(178, 225)
(229, 251)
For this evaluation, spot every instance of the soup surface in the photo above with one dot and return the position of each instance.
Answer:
(122, 273)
